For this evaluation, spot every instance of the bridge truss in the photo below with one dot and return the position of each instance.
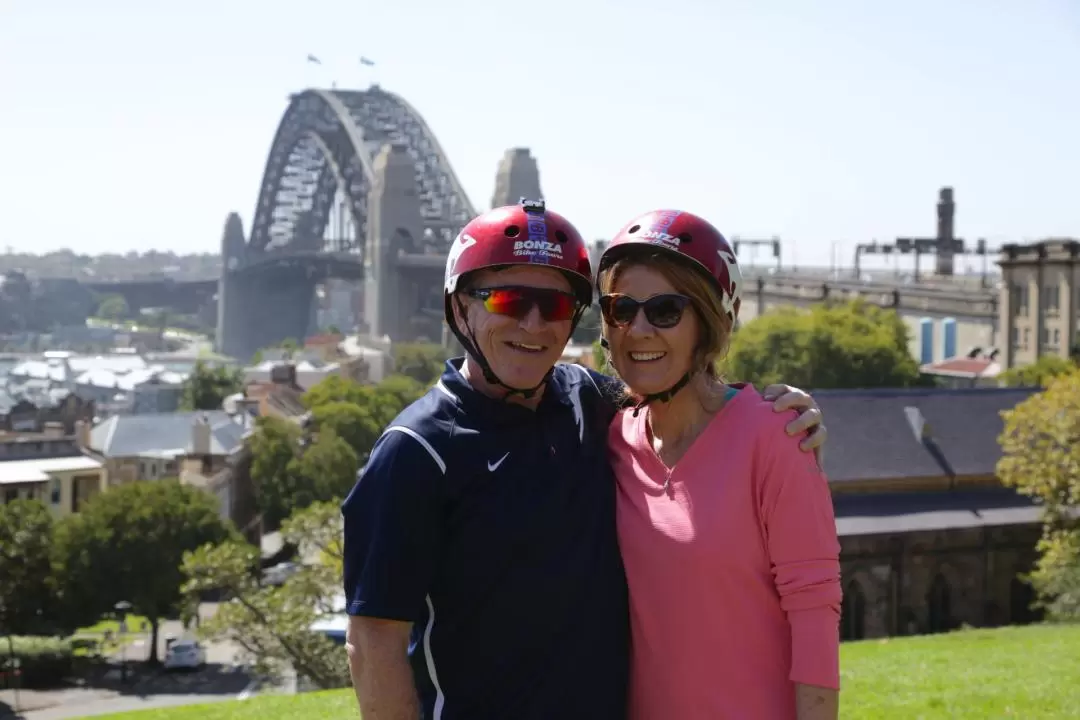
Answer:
(319, 171)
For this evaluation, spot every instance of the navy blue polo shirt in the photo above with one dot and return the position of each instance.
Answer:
(491, 527)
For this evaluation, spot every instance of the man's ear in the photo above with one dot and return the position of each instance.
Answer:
(457, 306)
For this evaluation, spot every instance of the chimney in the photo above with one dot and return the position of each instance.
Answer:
(82, 434)
(283, 374)
(200, 436)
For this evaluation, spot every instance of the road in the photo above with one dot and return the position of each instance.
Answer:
(222, 679)
(212, 684)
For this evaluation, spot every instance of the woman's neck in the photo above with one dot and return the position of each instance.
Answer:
(678, 422)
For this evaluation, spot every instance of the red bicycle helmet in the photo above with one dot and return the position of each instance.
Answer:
(687, 237)
(525, 234)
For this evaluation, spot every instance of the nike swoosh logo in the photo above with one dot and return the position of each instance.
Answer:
(493, 466)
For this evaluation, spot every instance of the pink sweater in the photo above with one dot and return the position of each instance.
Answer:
(734, 570)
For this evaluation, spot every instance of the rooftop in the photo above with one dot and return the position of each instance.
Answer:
(884, 434)
(37, 471)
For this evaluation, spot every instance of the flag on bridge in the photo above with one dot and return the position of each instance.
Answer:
(365, 61)
(313, 59)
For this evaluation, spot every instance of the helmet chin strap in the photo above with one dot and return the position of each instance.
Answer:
(663, 396)
(472, 348)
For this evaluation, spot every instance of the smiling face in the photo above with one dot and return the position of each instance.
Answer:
(651, 358)
(648, 358)
(519, 351)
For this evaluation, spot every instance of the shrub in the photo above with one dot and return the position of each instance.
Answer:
(42, 661)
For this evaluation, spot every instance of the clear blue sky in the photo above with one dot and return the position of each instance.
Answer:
(138, 125)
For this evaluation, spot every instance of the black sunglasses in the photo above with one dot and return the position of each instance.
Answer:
(517, 301)
(662, 311)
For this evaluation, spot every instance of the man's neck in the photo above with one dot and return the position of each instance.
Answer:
(474, 375)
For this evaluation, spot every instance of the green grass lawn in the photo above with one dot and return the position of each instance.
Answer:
(1028, 673)
(96, 635)
(134, 625)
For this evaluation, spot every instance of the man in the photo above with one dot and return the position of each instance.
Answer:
(482, 570)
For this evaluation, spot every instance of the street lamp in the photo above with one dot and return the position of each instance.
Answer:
(122, 609)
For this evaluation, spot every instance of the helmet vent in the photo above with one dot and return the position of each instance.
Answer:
(634, 229)
(684, 237)
(511, 231)
(560, 236)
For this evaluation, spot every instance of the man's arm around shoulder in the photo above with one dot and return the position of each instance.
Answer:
(379, 666)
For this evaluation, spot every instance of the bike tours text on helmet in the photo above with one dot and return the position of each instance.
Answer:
(688, 239)
(524, 234)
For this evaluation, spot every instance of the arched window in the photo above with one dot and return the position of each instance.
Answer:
(853, 613)
(939, 606)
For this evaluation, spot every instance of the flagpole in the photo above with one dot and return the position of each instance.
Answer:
(312, 60)
(368, 63)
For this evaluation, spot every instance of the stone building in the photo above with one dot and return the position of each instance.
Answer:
(1040, 300)
(930, 539)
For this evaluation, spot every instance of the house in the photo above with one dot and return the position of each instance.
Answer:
(1039, 309)
(310, 370)
(28, 408)
(155, 445)
(50, 467)
(120, 382)
(929, 537)
(978, 368)
(279, 396)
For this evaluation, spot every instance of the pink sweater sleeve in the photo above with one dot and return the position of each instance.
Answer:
(797, 512)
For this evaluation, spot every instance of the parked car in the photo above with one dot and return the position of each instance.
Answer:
(185, 655)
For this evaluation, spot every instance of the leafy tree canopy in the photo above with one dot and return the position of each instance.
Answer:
(1038, 373)
(1041, 458)
(841, 345)
(128, 544)
(208, 386)
(27, 589)
(273, 624)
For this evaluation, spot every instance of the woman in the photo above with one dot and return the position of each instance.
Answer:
(726, 528)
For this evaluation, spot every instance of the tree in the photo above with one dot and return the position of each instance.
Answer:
(128, 544)
(423, 362)
(355, 424)
(588, 330)
(275, 444)
(1038, 373)
(293, 467)
(273, 624)
(1041, 458)
(208, 386)
(113, 307)
(326, 469)
(291, 471)
(381, 402)
(393, 394)
(848, 345)
(290, 346)
(27, 587)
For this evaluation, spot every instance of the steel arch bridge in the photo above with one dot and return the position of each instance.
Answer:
(355, 186)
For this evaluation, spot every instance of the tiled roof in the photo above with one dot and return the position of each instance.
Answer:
(134, 435)
(871, 433)
(979, 367)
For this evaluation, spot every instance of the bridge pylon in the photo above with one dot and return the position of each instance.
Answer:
(518, 176)
(230, 310)
(395, 227)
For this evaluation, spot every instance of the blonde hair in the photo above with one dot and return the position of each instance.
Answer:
(714, 324)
